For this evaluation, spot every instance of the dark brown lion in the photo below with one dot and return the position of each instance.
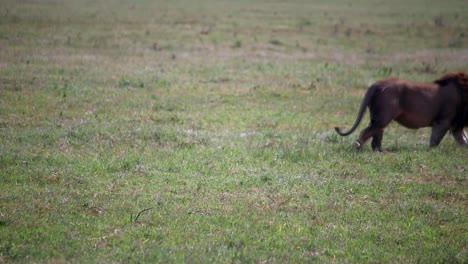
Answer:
(442, 105)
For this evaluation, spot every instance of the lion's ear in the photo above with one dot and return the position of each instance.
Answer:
(441, 81)
(449, 77)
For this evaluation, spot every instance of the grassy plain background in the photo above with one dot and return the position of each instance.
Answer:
(201, 131)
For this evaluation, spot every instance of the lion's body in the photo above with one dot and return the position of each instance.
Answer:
(442, 105)
(413, 105)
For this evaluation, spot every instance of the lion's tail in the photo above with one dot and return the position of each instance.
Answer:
(365, 102)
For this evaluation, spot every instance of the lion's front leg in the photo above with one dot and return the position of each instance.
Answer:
(460, 137)
(438, 133)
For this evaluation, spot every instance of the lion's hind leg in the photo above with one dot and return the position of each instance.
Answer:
(371, 131)
(382, 112)
(363, 137)
(377, 140)
(379, 120)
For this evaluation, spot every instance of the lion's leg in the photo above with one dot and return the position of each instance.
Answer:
(371, 131)
(438, 133)
(460, 137)
(364, 136)
(382, 113)
(377, 140)
(380, 118)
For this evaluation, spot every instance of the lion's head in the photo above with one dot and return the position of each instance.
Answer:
(460, 79)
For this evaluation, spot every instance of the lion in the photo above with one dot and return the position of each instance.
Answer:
(442, 105)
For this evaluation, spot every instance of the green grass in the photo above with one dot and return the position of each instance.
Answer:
(202, 132)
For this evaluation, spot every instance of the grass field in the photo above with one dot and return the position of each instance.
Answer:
(202, 132)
